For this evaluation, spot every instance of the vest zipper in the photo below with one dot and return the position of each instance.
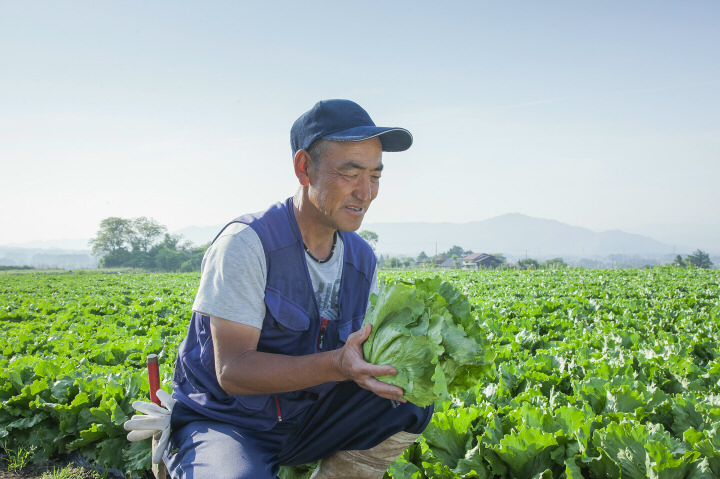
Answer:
(277, 405)
(321, 334)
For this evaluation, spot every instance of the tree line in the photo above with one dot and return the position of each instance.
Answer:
(699, 259)
(144, 243)
(455, 253)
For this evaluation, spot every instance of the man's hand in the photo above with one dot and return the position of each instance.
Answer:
(352, 365)
(154, 422)
(241, 369)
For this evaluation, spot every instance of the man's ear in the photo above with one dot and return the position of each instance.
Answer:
(302, 165)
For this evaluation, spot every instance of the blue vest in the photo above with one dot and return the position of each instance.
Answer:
(292, 324)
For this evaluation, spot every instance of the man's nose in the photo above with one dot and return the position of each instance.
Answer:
(363, 190)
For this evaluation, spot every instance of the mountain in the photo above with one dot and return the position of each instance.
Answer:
(512, 234)
(685, 236)
(75, 244)
(47, 258)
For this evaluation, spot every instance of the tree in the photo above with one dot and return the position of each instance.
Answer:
(145, 232)
(699, 259)
(392, 262)
(678, 261)
(113, 235)
(370, 236)
(169, 259)
(170, 241)
(455, 250)
(117, 258)
(555, 263)
(117, 235)
(528, 263)
(499, 256)
(422, 257)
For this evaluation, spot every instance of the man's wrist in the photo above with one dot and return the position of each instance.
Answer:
(336, 364)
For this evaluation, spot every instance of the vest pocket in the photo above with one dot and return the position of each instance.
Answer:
(253, 403)
(347, 328)
(286, 324)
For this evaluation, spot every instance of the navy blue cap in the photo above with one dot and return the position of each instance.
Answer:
(343, 120)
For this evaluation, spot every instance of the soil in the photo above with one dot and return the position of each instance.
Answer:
(30, 472)
(36, 471)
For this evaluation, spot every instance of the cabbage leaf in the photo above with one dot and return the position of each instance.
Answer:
(425, 329)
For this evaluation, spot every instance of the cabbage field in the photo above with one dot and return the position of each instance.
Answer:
(595, 373)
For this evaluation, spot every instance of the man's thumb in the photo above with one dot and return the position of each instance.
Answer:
(367, 328)
(363, 333)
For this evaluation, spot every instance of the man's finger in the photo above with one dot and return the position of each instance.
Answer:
(379, 370)
(367, 329)
(383, 389)
(361, 334)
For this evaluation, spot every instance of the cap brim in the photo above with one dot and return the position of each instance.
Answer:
(392, 139)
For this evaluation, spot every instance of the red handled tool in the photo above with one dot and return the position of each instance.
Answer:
(153, 377)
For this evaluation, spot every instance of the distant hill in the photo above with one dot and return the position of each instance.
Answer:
(512, 234)
(47, 258)
(515, 235)
(685, 236)
(76, 244)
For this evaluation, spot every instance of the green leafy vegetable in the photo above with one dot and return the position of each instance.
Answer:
(425, 330)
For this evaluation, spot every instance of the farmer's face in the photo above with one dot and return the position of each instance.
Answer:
(346, 181)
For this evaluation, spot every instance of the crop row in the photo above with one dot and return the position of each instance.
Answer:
(596, 374)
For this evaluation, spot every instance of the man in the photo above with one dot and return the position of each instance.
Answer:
(271, 371)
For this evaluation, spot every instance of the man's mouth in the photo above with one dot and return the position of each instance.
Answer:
(355, 208)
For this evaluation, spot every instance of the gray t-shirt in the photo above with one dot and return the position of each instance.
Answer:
(234, 273)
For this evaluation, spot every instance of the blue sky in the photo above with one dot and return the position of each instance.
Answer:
(598, 114)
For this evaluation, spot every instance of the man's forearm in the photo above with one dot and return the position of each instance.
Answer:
(241, 369)
(256, 372)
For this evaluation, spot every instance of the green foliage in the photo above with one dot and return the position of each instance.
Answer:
(455, 251)
(370, 236)
(554, 263)
(72, 359)
(114, 234)
(597, 374)
(699, 259)
(392, 263)
(426, 331)
(499, 258)
(528, 263)
(678, 261)
(10, 268)
(125, 243)
(145, 232)
(18, 458)
(72, 472)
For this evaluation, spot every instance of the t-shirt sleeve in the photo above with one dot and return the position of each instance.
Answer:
(233, 278)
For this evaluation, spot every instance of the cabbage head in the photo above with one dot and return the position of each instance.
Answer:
(425, 329)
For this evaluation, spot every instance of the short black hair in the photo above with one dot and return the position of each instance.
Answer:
(317, 150)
